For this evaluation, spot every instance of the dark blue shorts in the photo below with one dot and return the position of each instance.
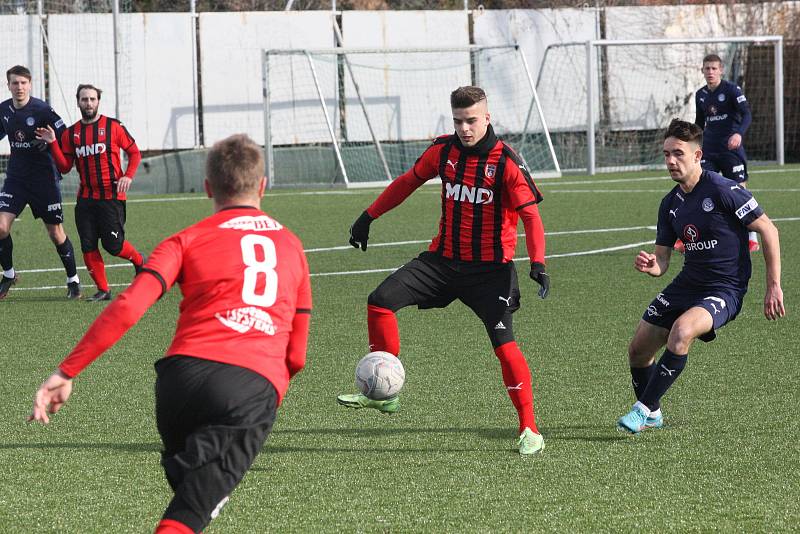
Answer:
(723, 305)
(44, 198)
(729, 164)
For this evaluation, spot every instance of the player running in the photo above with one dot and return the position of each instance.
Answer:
(712, 215)
(93, 144)
(485, 190)
(31, 178)
(724, 114)
(241, 336)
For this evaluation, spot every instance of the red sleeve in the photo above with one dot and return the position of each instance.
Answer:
(425, 168)
(298, 340)
(519, 186)
(134, 158)
(112, 324)
(166, 261)
(534, 232)
(65, 158)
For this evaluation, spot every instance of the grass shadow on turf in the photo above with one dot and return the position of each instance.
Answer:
(589, 433)
(486, 433)
(124, 447)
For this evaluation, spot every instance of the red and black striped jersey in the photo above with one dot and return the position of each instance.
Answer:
(95, 150)
(482, 189)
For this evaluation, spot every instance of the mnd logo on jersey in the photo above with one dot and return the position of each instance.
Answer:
(463, 193)
(242, 320)
(259, 223)
(692, 242)
(90, 150)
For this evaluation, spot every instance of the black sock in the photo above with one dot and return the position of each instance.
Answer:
(67, 257)
(640, 377)
(667, 370)
(6, 246)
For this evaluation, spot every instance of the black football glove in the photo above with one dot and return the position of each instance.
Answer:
(541, 278)
(359, 231)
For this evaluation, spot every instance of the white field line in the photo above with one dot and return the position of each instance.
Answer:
(392, 269)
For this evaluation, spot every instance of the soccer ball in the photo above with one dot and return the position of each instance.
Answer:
(380, 375)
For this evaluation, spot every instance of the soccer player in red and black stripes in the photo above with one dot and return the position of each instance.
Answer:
(93, 145)
(486, 189)
(241, 336)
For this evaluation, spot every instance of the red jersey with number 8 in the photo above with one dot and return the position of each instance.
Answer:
(243, 277)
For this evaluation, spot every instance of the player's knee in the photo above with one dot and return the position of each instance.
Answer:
(387, 295)
(499, 333)
(681, 336)
(637, 353)
(5, 229)
(112, 246)
(56, 233)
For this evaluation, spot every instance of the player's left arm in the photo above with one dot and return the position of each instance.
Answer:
(745, 118)
(773, 298)
(128, 144)
(524, 196)
(298, 339)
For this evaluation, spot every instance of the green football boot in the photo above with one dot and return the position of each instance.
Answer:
(530, 442)
(358, 400)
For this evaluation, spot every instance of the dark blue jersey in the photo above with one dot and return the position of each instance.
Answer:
(721, 113)
(30, 158)
(711, 220)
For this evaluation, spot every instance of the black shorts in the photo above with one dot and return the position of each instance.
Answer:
(213, 419)
(102, 220)
(44, 198)
(730, 164)
(491, 290)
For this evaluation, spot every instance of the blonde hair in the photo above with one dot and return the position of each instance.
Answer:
(234, 167)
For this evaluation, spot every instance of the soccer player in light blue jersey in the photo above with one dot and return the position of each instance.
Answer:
(712, 215)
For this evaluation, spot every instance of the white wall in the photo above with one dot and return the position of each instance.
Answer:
(155, 63)
(230, 51)
(407, 95)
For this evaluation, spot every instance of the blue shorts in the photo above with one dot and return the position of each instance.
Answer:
(729, 164)
(723, 305)
(44, 198)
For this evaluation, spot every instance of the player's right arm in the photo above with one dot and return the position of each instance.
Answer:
(425, 168)
(699, 114)
(654, 264)
(773, 298)
(63, 160)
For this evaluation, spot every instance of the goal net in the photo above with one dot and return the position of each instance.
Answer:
(637, 87)
(363, 116)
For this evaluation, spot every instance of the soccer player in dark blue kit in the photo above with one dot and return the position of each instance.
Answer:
(724, 114)
(712, 215)
(31, 177)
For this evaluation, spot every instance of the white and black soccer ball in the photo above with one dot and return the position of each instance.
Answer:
(380, 375)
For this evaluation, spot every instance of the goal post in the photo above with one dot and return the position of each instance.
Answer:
(624, 93)
(360, 116)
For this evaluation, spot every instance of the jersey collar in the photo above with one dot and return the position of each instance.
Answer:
(482, 147)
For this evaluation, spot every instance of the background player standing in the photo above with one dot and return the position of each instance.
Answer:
(485, 190)
(724, 114)
(241, 336)
(712, 215)
(93, 144)
(31, 177)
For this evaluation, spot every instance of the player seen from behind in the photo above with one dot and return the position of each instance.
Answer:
(241, 336)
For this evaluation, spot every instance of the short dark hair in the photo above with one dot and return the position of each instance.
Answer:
(466, 96)
(234, 167)
(687, 132)
(83, 86)
(18, 70)
(711, 58)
